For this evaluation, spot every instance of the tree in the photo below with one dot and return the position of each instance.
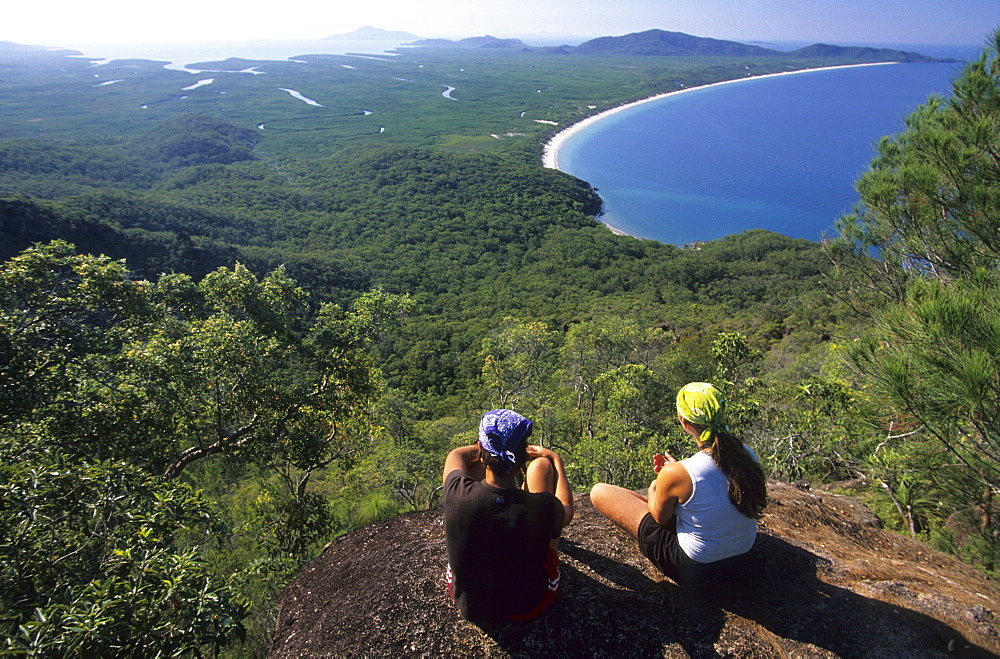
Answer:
(737, 365)
(931, 199)
(58, 309)
(194, 139)
(167, 374)
(515, 360)
(92, 564)
(920, 260)
(937, 358)
(592, 348)
(634, 413)
(113, 387)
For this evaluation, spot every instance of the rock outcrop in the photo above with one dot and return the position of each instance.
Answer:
(823, 580)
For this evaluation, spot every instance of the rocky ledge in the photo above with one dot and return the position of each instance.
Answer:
(824, 580)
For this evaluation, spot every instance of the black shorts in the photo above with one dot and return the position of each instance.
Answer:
(660, 545)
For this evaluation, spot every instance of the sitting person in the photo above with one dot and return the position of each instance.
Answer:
(701, 513)
(503, 561)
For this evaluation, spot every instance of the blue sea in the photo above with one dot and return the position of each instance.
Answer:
(779, 153)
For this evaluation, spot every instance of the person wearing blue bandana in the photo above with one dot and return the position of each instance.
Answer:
(503, 560)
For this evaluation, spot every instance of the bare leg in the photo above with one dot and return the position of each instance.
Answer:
(623, 507)
(541, 476)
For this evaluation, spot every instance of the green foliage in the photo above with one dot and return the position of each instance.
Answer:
(514, 360)
(193, 139)
(375, 507)
(632, 410)
(166, 376)
(737, 365)
(92, 562)
(287, 526)
(60, 163)
(58, 309)
(258, 580)
(604, 459)
(404, 458)
(256, 343)
(920, 260)
(172, 373)
(937, 359)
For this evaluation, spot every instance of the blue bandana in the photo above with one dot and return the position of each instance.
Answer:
(502, 431)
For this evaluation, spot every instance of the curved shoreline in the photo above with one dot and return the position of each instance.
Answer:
(550, 154)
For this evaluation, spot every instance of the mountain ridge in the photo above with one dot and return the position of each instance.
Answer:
(663, 43)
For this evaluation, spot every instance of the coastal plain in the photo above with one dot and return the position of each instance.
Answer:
(456, 99)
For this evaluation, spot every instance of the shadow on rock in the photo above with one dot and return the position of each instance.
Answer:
(780, 589)
(816, 584)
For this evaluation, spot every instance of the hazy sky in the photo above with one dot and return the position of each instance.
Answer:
(67, 22)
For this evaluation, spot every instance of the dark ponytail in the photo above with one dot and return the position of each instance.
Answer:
(747, 484)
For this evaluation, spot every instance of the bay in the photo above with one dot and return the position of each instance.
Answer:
(779, 153)
(183, 56)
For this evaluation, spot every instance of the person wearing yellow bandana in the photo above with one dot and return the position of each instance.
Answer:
(701, 513)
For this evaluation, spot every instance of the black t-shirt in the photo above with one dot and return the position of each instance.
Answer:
(497, 540)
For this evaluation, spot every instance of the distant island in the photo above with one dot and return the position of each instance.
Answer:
(486, 42)
(369, 33)
(661, 43)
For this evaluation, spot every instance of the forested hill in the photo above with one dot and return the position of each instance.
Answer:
(472, 238)
(486, 42)
(662, 43)
(369, 33)
(303, 413)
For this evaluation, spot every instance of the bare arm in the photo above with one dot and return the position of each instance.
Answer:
(672, 485)
(467, 459)
(563, 491)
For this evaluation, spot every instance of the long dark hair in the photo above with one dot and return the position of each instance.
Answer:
(747, 483)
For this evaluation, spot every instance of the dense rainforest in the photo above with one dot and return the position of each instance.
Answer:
(221, 346)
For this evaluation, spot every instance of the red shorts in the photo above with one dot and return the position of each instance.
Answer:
(551, 571)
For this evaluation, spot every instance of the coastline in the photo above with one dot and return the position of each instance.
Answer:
(550, 153)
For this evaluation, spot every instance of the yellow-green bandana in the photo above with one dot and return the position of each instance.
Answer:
(703, 405)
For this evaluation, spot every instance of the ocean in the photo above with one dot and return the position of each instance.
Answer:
(778, 153)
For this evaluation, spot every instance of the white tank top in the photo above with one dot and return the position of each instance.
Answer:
(709, 527)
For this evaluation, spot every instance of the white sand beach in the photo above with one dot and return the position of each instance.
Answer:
(550, 156)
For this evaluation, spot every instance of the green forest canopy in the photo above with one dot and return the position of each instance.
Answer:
(306, 320)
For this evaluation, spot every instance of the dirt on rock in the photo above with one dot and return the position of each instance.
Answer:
(823, 580)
